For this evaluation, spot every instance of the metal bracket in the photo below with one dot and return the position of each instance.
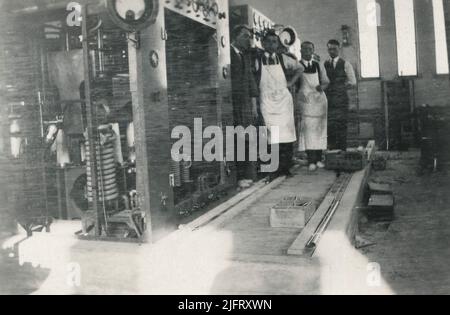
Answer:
(164, 199)
(154, 59)
(136, 40)
(225, 72)
(164, 35)
(223, 41)
(172, 180)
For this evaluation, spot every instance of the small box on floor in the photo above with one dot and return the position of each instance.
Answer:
(379, 163)
(381, 207)
(291, 212)
(380, 189)
(345, 161)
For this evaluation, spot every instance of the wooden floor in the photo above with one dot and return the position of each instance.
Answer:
(251, 230)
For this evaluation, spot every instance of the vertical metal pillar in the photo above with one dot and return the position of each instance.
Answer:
(148, 80)
(137, 93)
(91, 126)
(224, 102)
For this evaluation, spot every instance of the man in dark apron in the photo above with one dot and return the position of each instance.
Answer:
(342, 77)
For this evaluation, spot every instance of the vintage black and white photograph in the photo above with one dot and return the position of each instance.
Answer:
(219, 148)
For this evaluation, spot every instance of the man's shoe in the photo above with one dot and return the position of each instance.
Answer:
(272, 177)
(288, 174)
(320, 165)
(243, 184)
(312, 167)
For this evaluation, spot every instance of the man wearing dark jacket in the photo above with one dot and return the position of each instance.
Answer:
(245, 94)
(342, 77)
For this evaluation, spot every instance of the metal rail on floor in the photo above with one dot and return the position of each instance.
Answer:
(338, 188)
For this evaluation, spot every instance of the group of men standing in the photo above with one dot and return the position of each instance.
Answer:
(269, 84)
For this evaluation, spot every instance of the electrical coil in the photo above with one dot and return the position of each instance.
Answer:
(186, 172)
(175, 168)
(106, 172)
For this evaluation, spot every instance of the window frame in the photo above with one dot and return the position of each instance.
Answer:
(361, 76)
(447, 73)
(407, 76)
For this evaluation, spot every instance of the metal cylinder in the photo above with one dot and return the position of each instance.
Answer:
(106, 172)
(131, 142)
(175, 169)
(16, 139)
(186, 171)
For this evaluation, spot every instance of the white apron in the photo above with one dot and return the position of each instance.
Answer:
(277, 105)
(314, 107)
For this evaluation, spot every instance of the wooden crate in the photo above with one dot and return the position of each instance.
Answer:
(381, 207)
(291, 212)
(345, 161)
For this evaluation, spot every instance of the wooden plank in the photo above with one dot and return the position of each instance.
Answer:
(298, 247)
(204, 219)
(386, 115)
(370, 149)
(343, 226)
(263, 242)
(266, 232)
(229, 214)
(270, 259)
(209, 222)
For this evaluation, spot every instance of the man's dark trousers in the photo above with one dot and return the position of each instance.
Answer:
(338, 104)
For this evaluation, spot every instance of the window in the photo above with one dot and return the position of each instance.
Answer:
(440, 36)
(368, 21)
(406, 37)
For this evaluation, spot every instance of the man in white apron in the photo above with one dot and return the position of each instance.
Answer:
(314, 108)
(276, 102)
